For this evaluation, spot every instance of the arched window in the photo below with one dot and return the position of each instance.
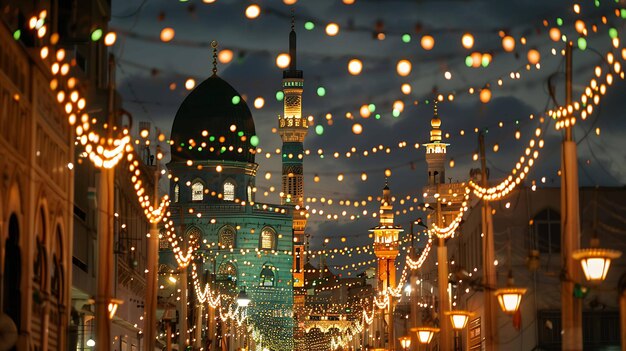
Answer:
(547, 231)
(226, 237)
(40, 267)
(268, 239)
(267, 276)
(197, 191)
(249, 193)
(12, 302)
(227, 271)
(176, 192)
(194, 234)
(229, 191)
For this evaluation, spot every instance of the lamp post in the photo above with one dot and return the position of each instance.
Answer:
(489, 269)
(243, 300)
(571, 310)
(459, 321)
(413, 280)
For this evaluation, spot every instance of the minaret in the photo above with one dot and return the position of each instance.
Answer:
(436, 151)
(293, 127)
(386, 248)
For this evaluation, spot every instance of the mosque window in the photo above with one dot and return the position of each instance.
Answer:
(249, 190)
(194, 234)
(176, 192)
(268, 239)
(229, 191)
(197, 191)
(227, 272)
(226, 237)
(267, 276)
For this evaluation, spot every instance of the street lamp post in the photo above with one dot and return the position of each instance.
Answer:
(489, 269)
(459, 321)
(243, 300)
(571, 307)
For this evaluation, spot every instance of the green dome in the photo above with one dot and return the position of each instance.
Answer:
(206, 116)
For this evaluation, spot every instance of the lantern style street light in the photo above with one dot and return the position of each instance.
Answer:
(112, 307)
(425, 334)
(459, 318)
(510, 297)
(242, 299)
(405, 342)
(595, 261)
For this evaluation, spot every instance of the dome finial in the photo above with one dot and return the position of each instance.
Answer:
(214, 46)
(293, 19)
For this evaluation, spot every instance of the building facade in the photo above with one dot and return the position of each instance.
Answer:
(36, 153)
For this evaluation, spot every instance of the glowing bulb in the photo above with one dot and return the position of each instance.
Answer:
(533, 56)
(508, 43)
(555, 34)
(167, 34)
(259, 102)
(253, 11)
(332, 29)
(283, 60)
(403, 68)
(406, 88)
(355, 66)
(485, 95)
(467, 40)
(225, 56)
(427, 42)
(110, 38)
(357, 128)
(190, 83)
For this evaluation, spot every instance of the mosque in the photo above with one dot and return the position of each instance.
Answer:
(243, 246)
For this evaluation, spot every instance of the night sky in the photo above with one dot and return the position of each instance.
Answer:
(147, 67)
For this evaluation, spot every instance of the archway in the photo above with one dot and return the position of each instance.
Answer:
(12, 279)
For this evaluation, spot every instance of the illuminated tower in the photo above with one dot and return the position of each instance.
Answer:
(386, 248)
(436, 152)
(292, 127)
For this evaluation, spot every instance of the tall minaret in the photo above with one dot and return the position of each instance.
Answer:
(436, 152)
(293, 127)
(386, 248)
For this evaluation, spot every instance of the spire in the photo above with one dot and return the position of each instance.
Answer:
(435, 123)
(214, 46)
(292, 43)
(386, 194)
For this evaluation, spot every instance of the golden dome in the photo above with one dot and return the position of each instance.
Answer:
(435, 122)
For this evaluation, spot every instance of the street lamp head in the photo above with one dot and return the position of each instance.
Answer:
(420, 222)
(510, 298)
(242, 299)
(425, 334)
(596, 261)
(459, 318)
(112, 307)
(405, 342)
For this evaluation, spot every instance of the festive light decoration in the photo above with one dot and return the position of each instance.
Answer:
(355, 66)
(167, 34)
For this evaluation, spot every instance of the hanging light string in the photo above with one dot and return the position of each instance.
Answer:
(103, 152)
